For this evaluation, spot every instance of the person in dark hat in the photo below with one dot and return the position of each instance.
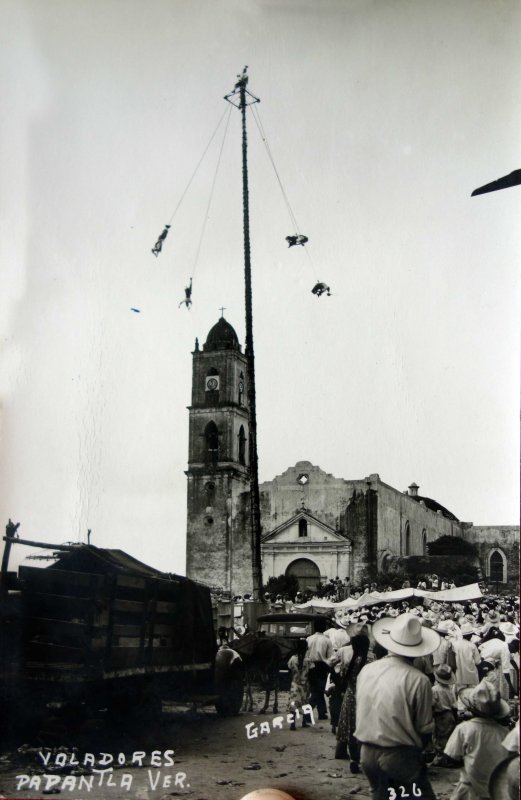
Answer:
(477, 741)
(394, 709)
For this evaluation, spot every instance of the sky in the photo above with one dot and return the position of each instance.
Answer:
(382, 117)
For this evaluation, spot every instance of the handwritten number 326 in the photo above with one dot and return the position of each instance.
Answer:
(416, 792)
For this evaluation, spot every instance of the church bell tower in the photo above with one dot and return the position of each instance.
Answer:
(218, 547)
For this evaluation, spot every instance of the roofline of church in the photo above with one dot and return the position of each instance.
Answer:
(373, 478)
(303, 513)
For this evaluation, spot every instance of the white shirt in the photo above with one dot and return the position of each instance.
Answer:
(339, 637)
(478, 742)
(393, 703)
(467, 659)
(320, 648)
(496, 648)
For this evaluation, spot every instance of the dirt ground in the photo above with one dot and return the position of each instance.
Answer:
(213, 760)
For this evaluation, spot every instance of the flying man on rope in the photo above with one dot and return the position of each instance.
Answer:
(188, 297)
(298, 238)
(159, 244)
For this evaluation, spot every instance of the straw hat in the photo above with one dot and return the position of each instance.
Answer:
(466, 629)
(508, 628)
(484, 700)
(447, 626)
(443, 674)
(405, 636)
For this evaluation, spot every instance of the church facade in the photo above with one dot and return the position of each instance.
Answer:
(319, 527)
(314, 526)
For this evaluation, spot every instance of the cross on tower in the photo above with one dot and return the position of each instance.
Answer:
(222, 310)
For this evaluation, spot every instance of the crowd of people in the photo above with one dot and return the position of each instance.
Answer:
(337, 589)
(407, 686)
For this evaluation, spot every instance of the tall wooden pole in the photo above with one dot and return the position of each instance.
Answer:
(244, 97)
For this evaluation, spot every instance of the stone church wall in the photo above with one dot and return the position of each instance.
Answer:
(502, 538)
(395, 509)
(361, 527)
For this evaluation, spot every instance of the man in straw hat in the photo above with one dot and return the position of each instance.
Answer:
(477, 741)
(394, 709)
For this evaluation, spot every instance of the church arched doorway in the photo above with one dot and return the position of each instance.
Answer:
(306, 572)
(497, 566)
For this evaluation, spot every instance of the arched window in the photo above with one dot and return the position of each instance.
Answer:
(241, 389)
(424, 542)
(407, 539)
(302, 527)
(209, 489)
(211, 435)
(242, 445)
(497, 566)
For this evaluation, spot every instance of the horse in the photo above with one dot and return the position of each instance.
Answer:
(262, 658)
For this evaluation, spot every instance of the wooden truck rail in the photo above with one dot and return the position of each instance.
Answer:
(98, 626)
(89, 626)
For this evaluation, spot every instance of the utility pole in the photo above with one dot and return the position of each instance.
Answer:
(241, 98)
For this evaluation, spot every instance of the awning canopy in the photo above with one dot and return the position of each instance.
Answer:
(458, 595)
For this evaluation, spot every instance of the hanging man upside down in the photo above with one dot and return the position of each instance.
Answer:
(188, 297)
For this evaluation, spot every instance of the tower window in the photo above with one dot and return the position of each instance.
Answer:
(210, 493)
(211, 435)
(302, 527)
(242, 446)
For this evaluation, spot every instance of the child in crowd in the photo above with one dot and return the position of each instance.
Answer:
(444, 711)
(299, 666)
(477, 741)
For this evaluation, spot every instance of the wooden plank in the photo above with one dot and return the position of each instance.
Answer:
(130, 581)
(56, 606)
(52, 581)
(166, 608)
(47, 653)
(56, 627)
(165, 630)
(126, 630)
(124, 657)
(134, 606)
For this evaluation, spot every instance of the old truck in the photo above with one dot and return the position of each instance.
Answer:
(98, 628)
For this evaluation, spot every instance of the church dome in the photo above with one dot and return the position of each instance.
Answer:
(222, 337)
